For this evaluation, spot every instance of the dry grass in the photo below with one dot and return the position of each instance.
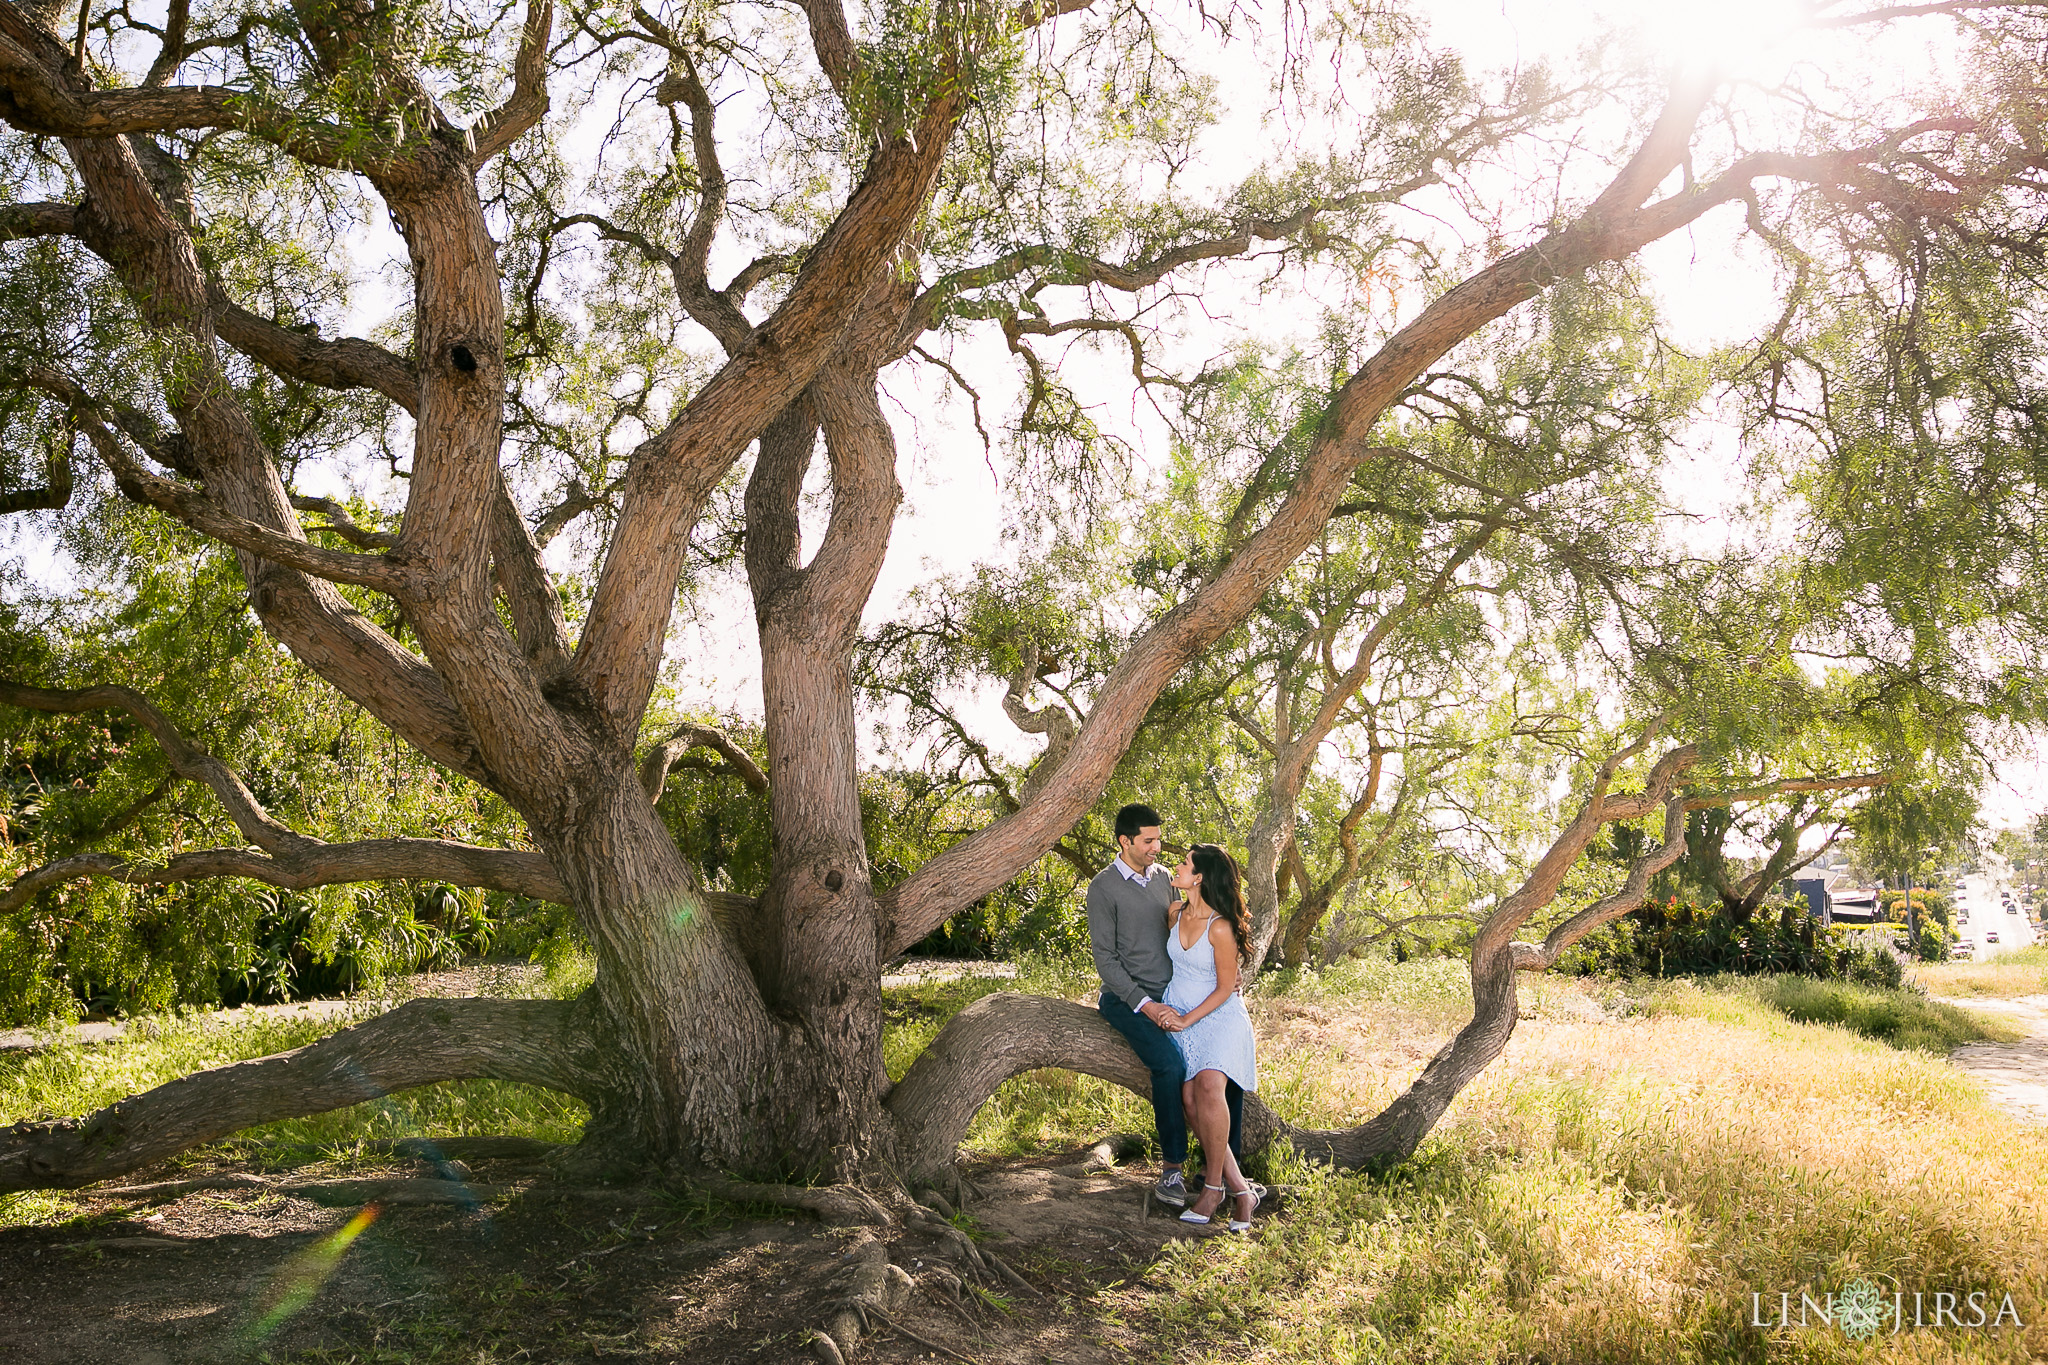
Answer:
(2023, 971)
(1616, 1187)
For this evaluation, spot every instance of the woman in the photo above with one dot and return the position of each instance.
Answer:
(1204, 937)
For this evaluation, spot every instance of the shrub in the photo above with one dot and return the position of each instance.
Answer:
(1683, 939)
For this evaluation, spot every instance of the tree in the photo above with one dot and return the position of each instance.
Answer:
(934, 170)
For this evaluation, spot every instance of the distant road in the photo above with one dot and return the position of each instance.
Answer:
(1988, 916)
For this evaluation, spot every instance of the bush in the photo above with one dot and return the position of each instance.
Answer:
(1929, 904)
(1683, 939)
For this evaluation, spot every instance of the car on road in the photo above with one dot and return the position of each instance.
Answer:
(1963, 950)
(1991, 936)
(2011, 909)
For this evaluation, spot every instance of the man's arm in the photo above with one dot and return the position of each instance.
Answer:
(1102, 942)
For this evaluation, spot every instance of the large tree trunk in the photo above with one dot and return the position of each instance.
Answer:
(690, 1051)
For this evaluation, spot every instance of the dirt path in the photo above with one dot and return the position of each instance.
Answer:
(2015, 1074)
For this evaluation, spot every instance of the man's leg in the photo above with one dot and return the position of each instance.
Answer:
(1161, 1056)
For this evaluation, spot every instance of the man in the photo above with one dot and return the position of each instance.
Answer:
(1127, 908)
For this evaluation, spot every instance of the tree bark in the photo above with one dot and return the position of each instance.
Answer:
(1005, 1035)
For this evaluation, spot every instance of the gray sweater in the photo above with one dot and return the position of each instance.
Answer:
(1127, 931)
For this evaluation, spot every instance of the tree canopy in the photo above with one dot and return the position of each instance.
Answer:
(464, 351)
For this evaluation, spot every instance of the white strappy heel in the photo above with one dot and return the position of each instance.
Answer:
(1190, 1216)
(1245, 1224)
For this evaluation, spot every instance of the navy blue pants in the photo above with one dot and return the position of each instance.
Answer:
(1161, 1055)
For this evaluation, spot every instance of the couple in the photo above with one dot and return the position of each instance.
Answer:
(1167, 946)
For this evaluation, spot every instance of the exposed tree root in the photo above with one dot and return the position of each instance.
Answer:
(835, 1205)
(1009, 1273)
(409, 1190)
(385, 1190)
(1104, 1155)
(175, 1189)
(418, 1043)
(900, 1330)
(868, 1285)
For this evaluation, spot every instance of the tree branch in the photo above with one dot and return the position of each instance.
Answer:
(654, 768)
(57, 481)
(671, 474)
(21, 221)
(498, 129)
(576, 500)
(42, 92)
(718, 313)
(532, 1042)
(350, 363)
(342, 524)
(381, 572)
(314, 863)
(295, 860)
(1051, 720)
(535, 606)
(127, 222)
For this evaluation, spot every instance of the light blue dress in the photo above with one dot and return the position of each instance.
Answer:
(1220, 1040)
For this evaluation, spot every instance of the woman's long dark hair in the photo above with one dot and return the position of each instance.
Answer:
(1222, 890)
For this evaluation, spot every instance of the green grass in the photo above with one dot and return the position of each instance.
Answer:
(1897, 1016)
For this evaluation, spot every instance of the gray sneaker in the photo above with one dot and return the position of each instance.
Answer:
(1171, 1189)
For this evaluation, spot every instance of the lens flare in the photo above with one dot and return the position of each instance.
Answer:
(300, 1280)
(684, 912)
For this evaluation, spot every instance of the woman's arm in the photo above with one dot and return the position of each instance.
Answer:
(1224, 940)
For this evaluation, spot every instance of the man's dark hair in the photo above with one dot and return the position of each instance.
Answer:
(1135, 817)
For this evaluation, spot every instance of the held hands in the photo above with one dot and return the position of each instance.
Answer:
(1165, 1016)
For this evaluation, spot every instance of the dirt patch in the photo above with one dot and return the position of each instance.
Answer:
(2015, 1075)
(235, 1276)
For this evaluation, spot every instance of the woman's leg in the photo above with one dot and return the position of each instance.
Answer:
(1209, 1116)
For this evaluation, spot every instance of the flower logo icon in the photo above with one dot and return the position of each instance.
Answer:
(1859, 1310)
